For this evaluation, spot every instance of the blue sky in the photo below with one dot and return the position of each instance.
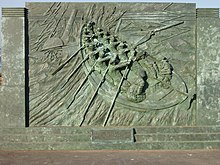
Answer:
(21, 3)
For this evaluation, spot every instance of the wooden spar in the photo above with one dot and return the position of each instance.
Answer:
(76, 69)
(81, 85)
(116, 95)
(93, 96)
(67, 61)
(153, 32)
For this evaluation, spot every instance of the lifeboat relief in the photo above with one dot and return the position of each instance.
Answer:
(143, 81)
(103, 65)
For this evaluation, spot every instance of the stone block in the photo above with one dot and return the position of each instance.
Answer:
(208, 79)
(12, 95)
(121, 135)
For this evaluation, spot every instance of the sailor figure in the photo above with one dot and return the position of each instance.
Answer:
(166, 73)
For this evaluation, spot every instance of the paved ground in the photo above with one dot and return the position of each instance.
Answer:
(195, 157)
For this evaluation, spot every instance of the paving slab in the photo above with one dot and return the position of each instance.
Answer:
(111, 157)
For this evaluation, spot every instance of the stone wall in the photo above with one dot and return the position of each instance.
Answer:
(200, 70)
(12, 90)
(208, 66)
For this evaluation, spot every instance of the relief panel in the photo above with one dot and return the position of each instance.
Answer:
(112, 64)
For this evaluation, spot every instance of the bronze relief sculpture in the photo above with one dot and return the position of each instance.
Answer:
(103, 65)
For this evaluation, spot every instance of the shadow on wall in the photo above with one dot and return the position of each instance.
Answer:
(1, 79)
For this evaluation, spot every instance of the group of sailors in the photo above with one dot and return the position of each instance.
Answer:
(162, 72)
(106, 47)
(108, 51)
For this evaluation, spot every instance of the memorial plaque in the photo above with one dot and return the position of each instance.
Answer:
(110, 76)
(112, 64)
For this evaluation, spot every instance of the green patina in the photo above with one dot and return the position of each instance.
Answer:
(116, 75)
